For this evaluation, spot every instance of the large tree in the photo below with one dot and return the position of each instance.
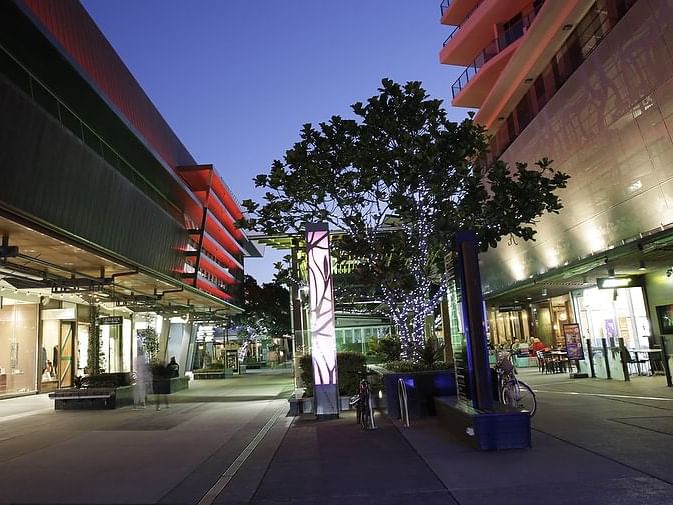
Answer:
(266, 310)
(399, 181)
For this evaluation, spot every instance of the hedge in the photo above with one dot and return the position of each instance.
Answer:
(347, 362)
(105, 380)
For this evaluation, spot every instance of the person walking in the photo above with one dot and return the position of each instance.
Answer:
(142, 377)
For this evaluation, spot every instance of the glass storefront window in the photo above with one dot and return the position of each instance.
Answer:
(613, 314)
(18, 347)
(82, 348)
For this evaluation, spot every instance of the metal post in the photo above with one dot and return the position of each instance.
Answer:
(605, 357)
(469, 278)
(664, 361)
(590, 351)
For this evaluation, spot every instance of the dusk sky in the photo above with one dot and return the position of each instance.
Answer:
(236, 79)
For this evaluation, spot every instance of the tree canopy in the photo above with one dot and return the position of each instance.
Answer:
(399, 181)
(266, 309)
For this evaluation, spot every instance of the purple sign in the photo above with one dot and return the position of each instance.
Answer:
(573, 338)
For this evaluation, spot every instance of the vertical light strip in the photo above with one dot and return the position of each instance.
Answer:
(323, 340)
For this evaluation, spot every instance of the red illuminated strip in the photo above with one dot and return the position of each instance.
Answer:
(219, 233)
(214, 269)
(224, 195)
(214, 248)
(223, 216)
(209, 287)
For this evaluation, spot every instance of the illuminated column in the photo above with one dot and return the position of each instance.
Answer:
(323, 340)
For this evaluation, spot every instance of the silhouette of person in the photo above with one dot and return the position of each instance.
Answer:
(173, 368)
(142, 379)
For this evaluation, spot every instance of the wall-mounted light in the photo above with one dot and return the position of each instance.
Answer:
(528, 80)
(567, 27)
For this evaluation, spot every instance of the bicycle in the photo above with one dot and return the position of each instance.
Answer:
(512, 391)
(362, 401)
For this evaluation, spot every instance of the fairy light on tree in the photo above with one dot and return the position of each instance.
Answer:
(399, 181)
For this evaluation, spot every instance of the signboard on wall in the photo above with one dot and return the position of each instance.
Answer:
(622, 281)
(110, 320)
(573, 341)
(231, 357)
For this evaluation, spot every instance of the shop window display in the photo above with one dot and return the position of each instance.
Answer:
(613, 314)
(18, 346)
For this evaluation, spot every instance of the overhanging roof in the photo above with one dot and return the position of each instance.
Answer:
(57, 267)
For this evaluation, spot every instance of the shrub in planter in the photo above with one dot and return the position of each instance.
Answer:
(347, 362)
(213, 367)
(105, 380)
(409, 366)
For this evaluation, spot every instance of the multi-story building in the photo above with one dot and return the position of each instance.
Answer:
(588, 84)
(109, 226)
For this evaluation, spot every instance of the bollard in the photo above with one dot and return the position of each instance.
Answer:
(590, 351)
(605, 357)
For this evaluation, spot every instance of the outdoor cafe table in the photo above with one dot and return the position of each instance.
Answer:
(561, 358)
(649, 353)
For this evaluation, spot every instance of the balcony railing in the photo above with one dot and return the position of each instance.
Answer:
(467, 16)
(445, 5)
(506, 39)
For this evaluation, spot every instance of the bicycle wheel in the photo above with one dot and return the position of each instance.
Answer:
(519, 395)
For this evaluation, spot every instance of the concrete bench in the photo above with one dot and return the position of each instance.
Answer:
(92, 398)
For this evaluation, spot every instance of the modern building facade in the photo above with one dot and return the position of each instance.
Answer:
(589, 85)
(110, 228)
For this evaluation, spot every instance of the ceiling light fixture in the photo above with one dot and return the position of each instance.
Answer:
(19, 273)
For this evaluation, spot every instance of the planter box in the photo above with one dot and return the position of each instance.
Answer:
(92, 398)
(501, 427)
(224, 374)
(166, 386)
(255, 365)
(422, 387)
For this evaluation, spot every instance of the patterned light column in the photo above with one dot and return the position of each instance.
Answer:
(323, 340)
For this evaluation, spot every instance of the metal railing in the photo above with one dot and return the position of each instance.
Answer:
(404, 401)
(467, 16)
(495, 47)
(444, 6)
(41, 94)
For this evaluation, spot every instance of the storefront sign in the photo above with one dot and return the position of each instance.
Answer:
(510, 308)
(67, 314)
(110, 320)
(573, 340)
(619, 282)
(231, 356)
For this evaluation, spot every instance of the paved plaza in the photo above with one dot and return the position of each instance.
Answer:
(231, 442)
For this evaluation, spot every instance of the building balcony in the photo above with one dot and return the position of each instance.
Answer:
(458, 26)
(476, 30)
(454, 12)
(494, 56)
